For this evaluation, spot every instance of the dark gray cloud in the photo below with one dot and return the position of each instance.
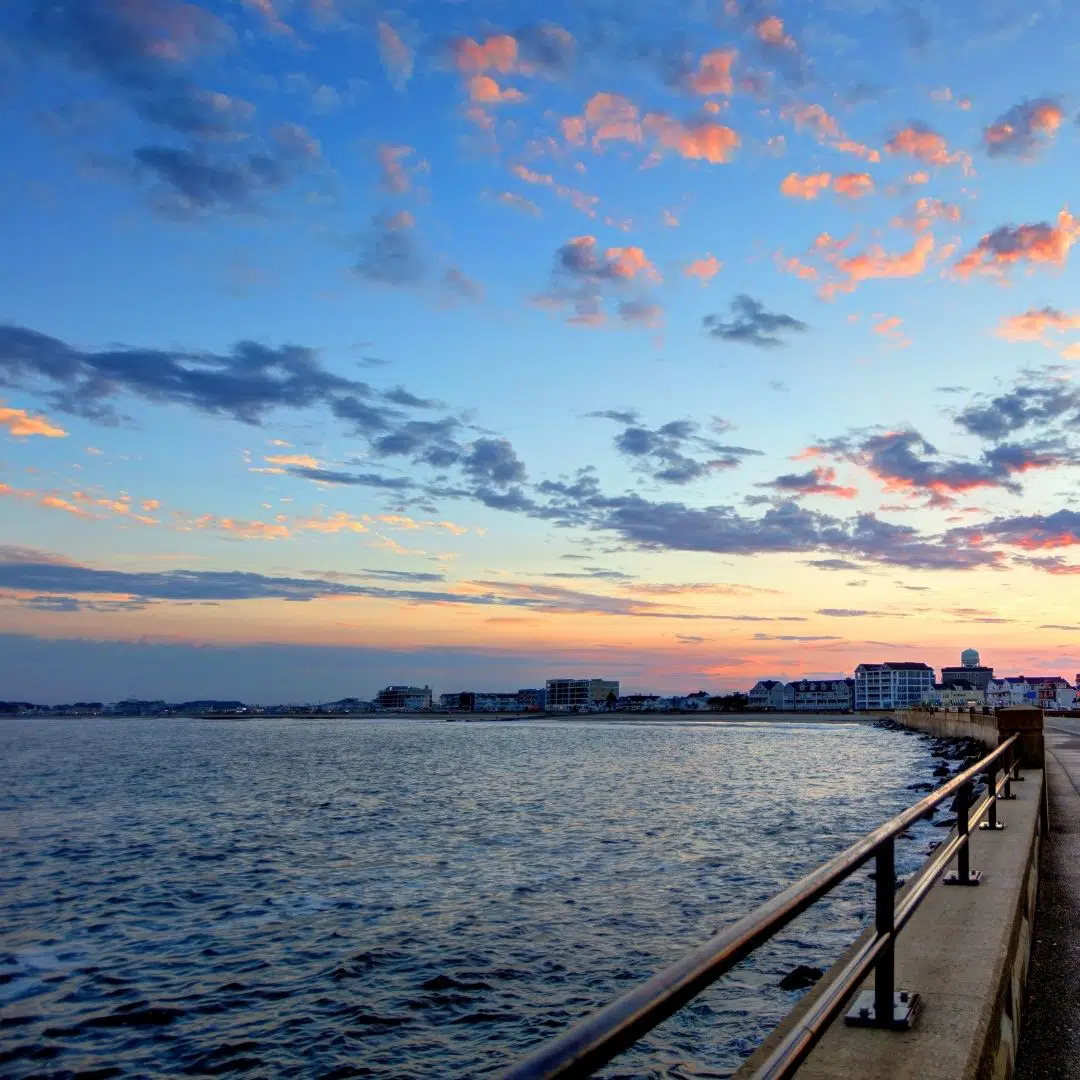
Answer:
(493, 461)
(814, 482)
(245, 383)
(620, 416)
(905, 461)
(834, 564)
(548, 48)
(751, 324)
(332, 476)
(137, 50)
(664, 453)
(400, 396)
(390, 253)
(846, 613)
(193, 182)
(1030, 532)
(796, 637)
(1026, 404)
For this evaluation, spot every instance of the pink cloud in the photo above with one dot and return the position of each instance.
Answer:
(853, 185)
(796, 186)
(484, 90)
(497, 53)
(704, 269)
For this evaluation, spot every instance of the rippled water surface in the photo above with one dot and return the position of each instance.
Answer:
(406, 899)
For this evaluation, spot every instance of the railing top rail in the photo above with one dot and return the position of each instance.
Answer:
(597, 1038)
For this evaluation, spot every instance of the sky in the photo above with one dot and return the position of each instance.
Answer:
(472, 344)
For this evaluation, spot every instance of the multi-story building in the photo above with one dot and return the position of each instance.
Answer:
(823, 695)
(771, 695)
(892, 685)
(404, 698)
(567, 695)
(532, 700)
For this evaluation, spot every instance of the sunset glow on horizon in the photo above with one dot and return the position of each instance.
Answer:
(477, 344)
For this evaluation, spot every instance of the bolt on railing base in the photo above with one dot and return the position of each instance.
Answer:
(953, 878)
(1003, 797)
(905, 1009)
(995, 826)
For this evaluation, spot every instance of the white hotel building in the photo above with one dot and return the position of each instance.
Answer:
(892, 685)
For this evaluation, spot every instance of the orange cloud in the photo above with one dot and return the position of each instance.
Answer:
(713, 75)
(580, 200)
(710, 142)
(853, 185)
(849, 146)
(304, 461)
(397, 57)
(669, 219)
(1009, 244)
(805, 187)
(704, 269)
(20, 423)
(626, 263)
(336, 523)
(52, 502)
(927, 146)
(1034, 325)
(241, 530)
(497, 53)
(150, 505)
(926, 212)
(876, 263)
(771, 32)
(918, 178)
(485, 90)
(394, 177)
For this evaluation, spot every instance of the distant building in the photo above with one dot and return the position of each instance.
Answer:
(532, 700)
(638, 703)
(949, 694)
(823, 695)
(892, 685)
(772, 695)
(404, 698)
(970, 672)
(1043, 691)
(565, 695)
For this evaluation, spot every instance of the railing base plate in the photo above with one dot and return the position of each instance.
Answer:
(1005, 798)
(996, 827)
(905, 1008)
(953, 878)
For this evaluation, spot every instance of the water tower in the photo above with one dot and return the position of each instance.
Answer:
(970, 658)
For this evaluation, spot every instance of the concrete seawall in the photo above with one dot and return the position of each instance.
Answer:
(965, 951)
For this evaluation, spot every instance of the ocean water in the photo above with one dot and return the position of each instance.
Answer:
(404, 899)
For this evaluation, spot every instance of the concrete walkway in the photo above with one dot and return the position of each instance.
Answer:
(1050, 1035)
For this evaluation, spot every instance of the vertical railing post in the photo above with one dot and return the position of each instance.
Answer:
(992, 824)
(1010, 764)
(963, 875)
(885, 970)
(885, 1006)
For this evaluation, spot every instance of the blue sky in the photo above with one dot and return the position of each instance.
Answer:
(683, 344)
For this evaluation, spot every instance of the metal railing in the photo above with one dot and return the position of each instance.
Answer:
(595, 1040)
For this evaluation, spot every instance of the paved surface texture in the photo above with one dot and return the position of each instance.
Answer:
(1050, 1035)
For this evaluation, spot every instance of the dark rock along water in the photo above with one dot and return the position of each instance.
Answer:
(404, 899)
